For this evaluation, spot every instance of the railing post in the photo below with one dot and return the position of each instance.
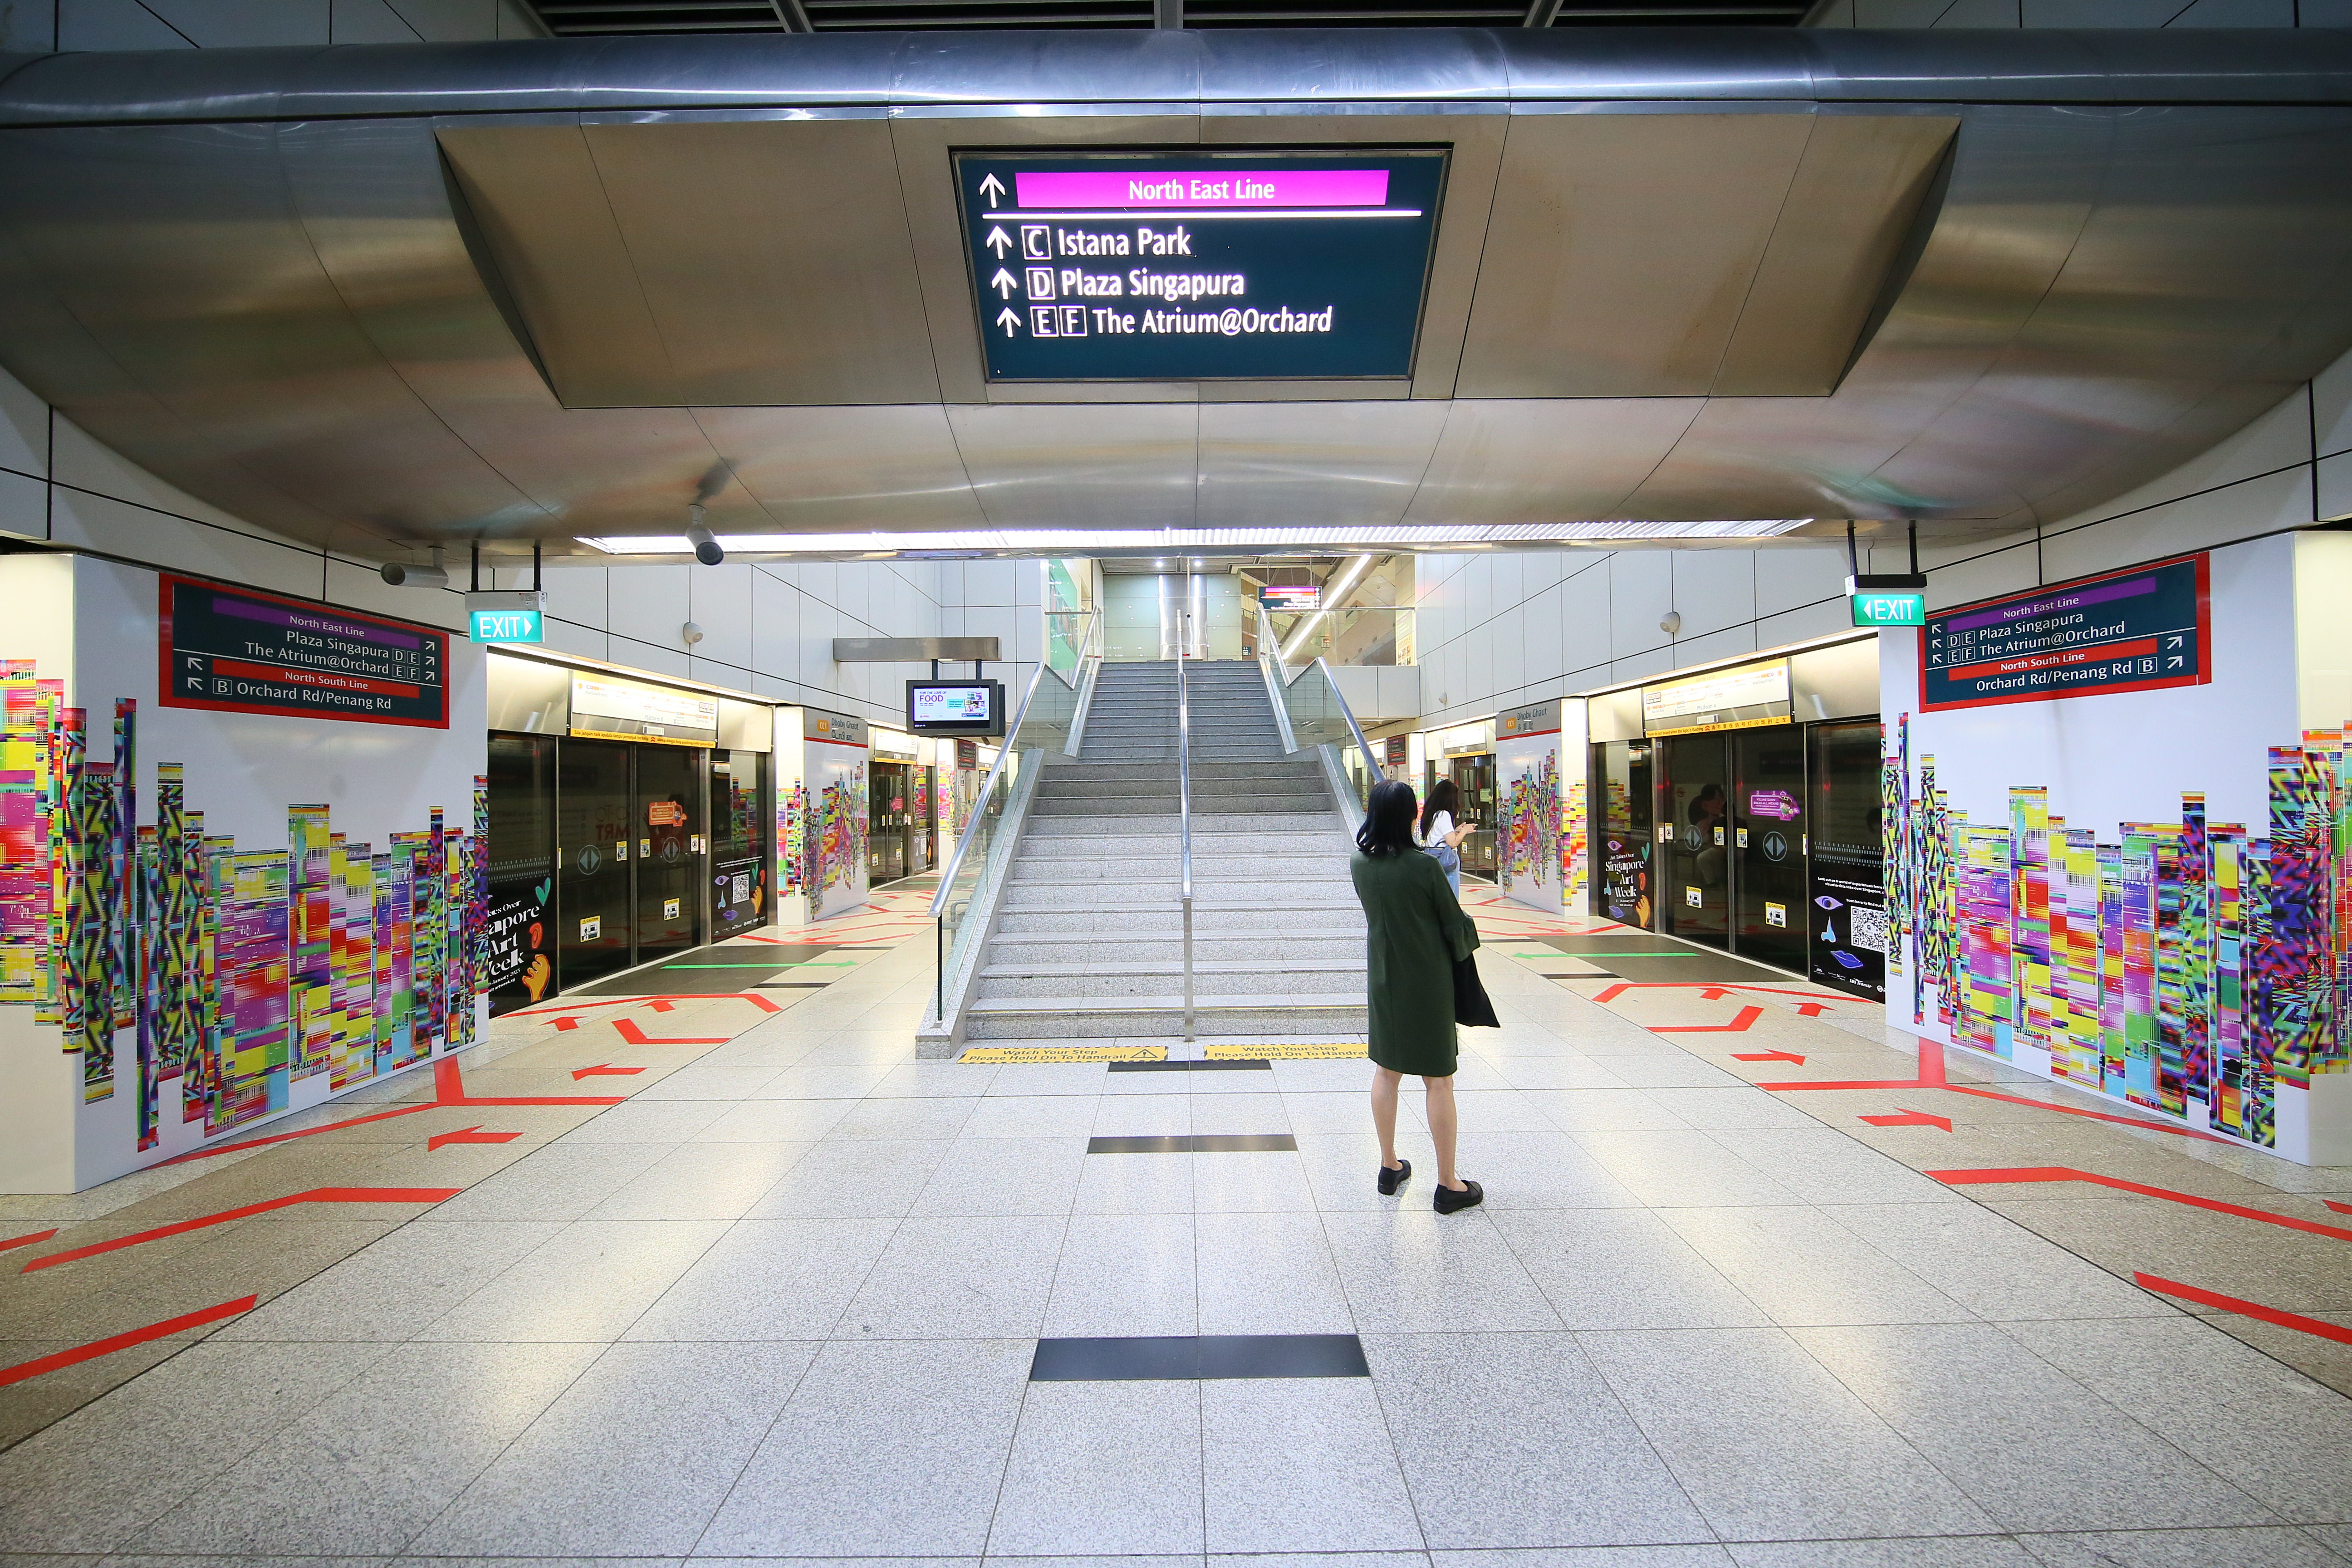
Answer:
(1184, 823)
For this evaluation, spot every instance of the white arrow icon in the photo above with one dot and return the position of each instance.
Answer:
(999, 242)
(993, 188)
(1007, 320)
(1003, 283)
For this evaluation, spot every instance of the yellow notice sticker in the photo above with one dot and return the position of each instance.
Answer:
(1064, 1054)
(1337, 1050)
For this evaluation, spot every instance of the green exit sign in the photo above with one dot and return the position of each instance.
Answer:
(1884, 607)
(504, 625)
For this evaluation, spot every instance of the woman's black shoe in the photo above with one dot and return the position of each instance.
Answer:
(1447, 1201)
(1392, 1179)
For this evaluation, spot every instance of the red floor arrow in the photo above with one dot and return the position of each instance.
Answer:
(604, 1070)
(637, 1037)
(1910, 1119)
(470, 1135)
(561, 1024)
(1768, 1056)
(1812, 1009)
(1737, 1025)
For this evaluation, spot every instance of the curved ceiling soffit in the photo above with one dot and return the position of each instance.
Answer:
(265, 293)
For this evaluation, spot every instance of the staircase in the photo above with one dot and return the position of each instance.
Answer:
(1089, 941)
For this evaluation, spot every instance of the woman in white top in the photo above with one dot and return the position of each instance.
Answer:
(1440, 838)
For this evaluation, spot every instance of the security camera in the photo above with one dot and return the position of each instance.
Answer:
(705, 542)
(401, 576)
(1670, 622)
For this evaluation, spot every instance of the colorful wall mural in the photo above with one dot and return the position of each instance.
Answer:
(836, 848)
(236, 972)
(1574, 845)
(2177, 965)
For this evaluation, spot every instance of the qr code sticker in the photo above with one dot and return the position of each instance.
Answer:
(1866, 928)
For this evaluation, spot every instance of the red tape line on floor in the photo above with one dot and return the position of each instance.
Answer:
(39, 1235)
(2244, 1308)
(2023, 1173)
(123, 1341)
(315, 1195)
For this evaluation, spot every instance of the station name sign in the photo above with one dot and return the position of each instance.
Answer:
(233, 651)
(1200, 265)
(2138, 630)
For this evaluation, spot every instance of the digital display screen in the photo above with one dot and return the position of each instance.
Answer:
(1197, 264)
(955, 707)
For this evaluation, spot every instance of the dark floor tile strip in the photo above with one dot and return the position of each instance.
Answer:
(1192, 1359)
(1197, 1144)
(1245, 1064)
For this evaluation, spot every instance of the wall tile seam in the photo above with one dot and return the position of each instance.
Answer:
(2313, 526)
(1641, 653)
(243, 532)
(1440, 647)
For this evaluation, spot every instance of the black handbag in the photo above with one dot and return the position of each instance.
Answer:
(1471, 1003)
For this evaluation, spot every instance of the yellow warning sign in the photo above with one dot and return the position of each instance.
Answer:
(1337, 1050)
(1064, 1054)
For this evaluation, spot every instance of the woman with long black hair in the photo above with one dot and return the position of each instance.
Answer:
(1417, 932)
(1440, 837)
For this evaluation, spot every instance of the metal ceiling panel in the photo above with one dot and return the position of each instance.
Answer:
(203, 288)
(538, 200)
(844, 469)
(1476, 138)
(1341, 464)
(1633, 64)
(1145, 66)
(1068, 465)
(1351, 65)
(1850, 205)
(373, 199)
(1549, 460)
(772, 256)
(1620, 250)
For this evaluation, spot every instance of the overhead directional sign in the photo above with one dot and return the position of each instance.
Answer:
(2137, 630)
(1198, 265)
(238, 651)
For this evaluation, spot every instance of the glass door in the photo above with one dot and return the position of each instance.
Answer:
(1848, 891)
(886, 822)
(1622, 805)
(1695, 799)
(918, 837)
(593, 848)
(668, 851)
(739, 835)
(1769, 824)
(1473, 775)
(520, 930)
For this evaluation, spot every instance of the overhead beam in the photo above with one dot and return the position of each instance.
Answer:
(791, 16)
(1541, 12)
(1168, 14)
(911, 650)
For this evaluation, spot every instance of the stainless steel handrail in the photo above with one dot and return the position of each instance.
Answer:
(1184, 816)
(1349, 713)
(987, 787)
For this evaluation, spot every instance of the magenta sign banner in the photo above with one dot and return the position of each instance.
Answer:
(1213, 190)
(1773, 803)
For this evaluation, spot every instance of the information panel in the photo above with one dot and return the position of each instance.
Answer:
(1196, 264)
(1741, 697)
(2137, 630)
(237, 651)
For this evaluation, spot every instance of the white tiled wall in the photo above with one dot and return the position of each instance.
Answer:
(1498, 630)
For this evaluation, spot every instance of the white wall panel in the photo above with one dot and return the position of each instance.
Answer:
(649, 604)
(1714, 589)
(719, 600)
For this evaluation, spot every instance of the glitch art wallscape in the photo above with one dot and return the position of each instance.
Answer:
(241, 971)
(2184, 962)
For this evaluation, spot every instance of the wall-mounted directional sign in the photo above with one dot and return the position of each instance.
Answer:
(2140, 629)
(235, 650)
(1197, 264)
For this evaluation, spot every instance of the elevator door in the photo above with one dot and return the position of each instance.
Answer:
(1770, 820)
(669, 851)
(1694, 829)
(594, 842)
(886, 822)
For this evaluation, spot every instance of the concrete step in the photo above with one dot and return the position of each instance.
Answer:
(1017, 950)
(1164, 922)
(1215, 982)
(1231, 843)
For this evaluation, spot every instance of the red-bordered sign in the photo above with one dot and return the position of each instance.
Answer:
(2144, 628)
(235, 650)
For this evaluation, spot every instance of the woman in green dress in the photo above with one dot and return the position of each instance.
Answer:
(1417, 931)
